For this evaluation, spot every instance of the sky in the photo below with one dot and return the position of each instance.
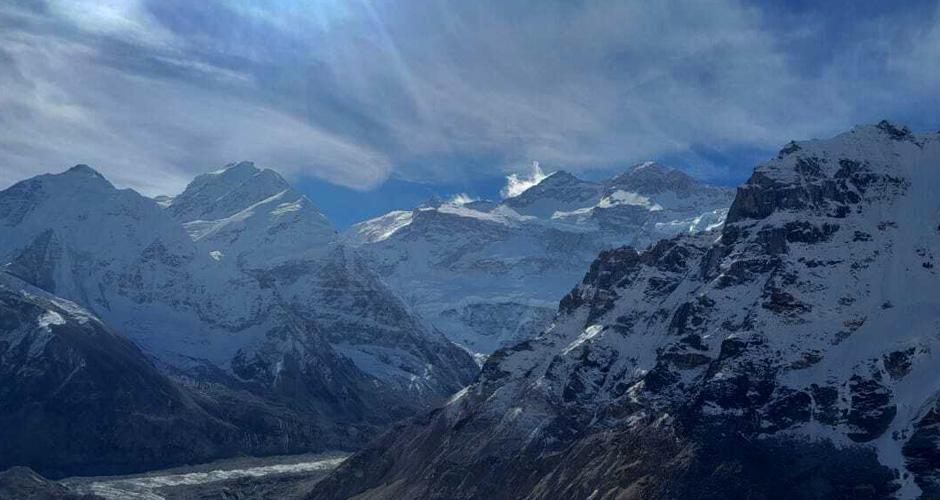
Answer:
(373, 105)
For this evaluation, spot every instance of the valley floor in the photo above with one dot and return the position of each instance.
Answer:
(286, 476)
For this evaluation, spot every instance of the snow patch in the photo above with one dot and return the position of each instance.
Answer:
(50, 318)
(284, 208)
(620, 197)
(588, 334)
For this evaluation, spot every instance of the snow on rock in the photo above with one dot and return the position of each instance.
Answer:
(78, 397)
(794, 355)
(489, 274)
(241, 283)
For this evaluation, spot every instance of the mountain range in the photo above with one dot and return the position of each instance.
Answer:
(244, 326)
(489, 274)
(791, 355)
(777, 341)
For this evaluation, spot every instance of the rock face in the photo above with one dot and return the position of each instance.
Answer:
(794, 357)
(267, 239)
(79, 397)
(490, 274)
(239, 290)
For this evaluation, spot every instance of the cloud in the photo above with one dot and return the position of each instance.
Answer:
(517, 184)
(146, 115)
(354, 92)
(462, 199)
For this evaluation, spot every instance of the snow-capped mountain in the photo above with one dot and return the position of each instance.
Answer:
(253, 224)
(240, 289)
(489, 274)
(792, 356)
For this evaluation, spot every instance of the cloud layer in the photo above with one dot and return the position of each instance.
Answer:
(353, 92)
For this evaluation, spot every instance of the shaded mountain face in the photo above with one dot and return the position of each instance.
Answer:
(79, 397)
(489, 274)
(21, 483)
(239, 290)
(794, 357)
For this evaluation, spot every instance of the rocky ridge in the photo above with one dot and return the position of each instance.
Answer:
(793, 356)
(489, 274)
(239, 291)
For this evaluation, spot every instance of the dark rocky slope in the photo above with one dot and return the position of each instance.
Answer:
(793, 355)
(77, 397)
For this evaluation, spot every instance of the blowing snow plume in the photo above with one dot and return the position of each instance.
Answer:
(516, 185)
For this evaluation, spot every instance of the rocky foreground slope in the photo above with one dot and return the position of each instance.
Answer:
(489, 274)
(78, 396)
(270, 336)
(791, 355)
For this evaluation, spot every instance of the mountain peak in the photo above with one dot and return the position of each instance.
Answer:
(560, 177)
(80, 175)
(895, 131)
(243, 172)
(271, 176)
(82, 170)
(652, 177)
(650, 165)
(243, 167)
(432, 202)
(225, 191)
(885, 128)
(652, 168)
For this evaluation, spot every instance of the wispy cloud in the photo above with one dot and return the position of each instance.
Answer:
(517, 184)
(353, 92)
(462, 199)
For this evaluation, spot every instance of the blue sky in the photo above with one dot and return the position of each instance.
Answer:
(371, 105)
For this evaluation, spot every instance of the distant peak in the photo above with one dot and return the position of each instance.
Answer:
(885, 128)
(651, 177)
(82, 169)
(83, 174)
(895, 131)
(560, 173)
(432, 202)
(650, 169)
(649, 164)
(246, 171)
(560, 176)
(241, 166)
(269, 174)
(516, 184)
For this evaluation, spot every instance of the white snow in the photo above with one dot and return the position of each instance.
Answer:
(51, 318)
(490, 274)
(620, 197)
(588, 334)
(871, 289)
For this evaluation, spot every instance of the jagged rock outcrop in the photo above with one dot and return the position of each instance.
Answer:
(794, 357)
